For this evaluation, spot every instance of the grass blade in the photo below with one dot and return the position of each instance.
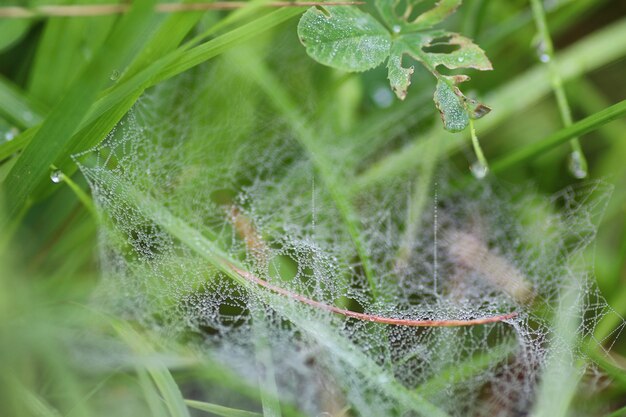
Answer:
(220, 410)
(53, 138)
(160, 374)
(18, 107)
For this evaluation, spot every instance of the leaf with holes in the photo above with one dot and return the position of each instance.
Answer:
(435, 48)
(349, 39)
(399, 14)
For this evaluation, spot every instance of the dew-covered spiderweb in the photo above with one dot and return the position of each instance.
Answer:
(202, 188)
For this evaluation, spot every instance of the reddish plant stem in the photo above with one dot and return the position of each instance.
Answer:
(109, 9)
(371, 317)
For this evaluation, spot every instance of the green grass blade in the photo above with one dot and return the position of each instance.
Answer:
(12, 30)
(618, 413)
(53, 138)
(473, 366)
(18, 107)
(220, 410)
(64, 51)
(265, 368)
(159, 373)
(116, 99)
(560, 378)
(151, 395)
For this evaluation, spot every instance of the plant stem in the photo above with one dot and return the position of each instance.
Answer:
(82, 10)
(578, 163)
(371, 317)
(483, 167)
(80, 194)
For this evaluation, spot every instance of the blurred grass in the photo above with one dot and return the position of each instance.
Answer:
(56, 92)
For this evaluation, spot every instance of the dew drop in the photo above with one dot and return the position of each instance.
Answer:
(461, 59)
(382, 97)
(576, 165)
(541, 52)
(11, 134)
(396, 29)
(479, 170)
(114, 75)
(56, 176)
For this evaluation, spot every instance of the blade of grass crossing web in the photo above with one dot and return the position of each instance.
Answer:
(150, 393)
(220, 410)
(36, 405)
(265, 365)
(52, 139)
(561, 377)
(473, 366)
(159, 373)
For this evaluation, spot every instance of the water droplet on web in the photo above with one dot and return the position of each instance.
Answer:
(56, 176)
(114, 75)
(382, 97)
(479, 170)
(396, 29)
(576, 165)
(545, 58)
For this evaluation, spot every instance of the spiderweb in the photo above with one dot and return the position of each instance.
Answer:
(201, 192)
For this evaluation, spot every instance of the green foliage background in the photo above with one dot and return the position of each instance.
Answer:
(66, 82)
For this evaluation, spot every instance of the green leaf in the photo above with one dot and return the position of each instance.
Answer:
(396, 13)
(399, 77)
(438, 13)
(11, 31)
(468, 54)
(344, 38)
(449, 99)
(350, 39)
(451, 107)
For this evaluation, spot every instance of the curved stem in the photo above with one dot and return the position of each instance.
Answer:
(370, 317)
(476, 145)
(82, 10)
